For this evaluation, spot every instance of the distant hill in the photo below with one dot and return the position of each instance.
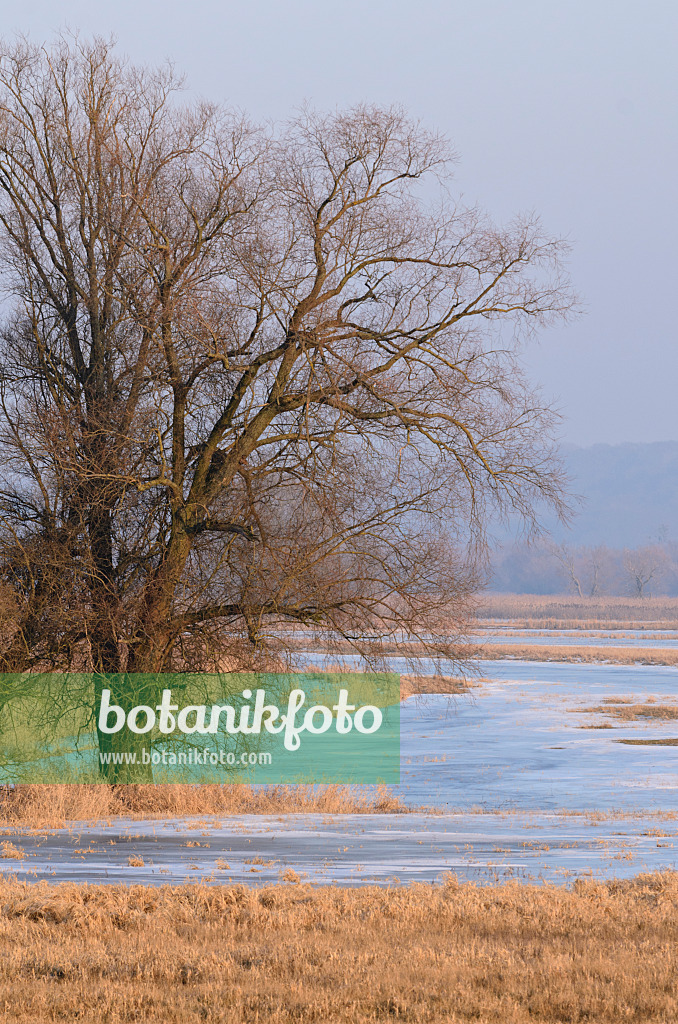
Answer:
(629, 492)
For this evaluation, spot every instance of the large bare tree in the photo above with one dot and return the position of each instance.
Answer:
(247, 377)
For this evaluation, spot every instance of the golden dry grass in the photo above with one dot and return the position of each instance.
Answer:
(469, 653)
(669, 741)
(583, 655)
(632, 712)
(552, 611)
(411, 684)
(609, 633)
(51, 806)
(290, 953)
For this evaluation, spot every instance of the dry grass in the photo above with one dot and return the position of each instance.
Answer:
(610, 633)
(668, 742)
(633, 712)
(290, 953)
(552, 611)
(52, 806)
(582, 655)
(533, 818)
(11, 852)
(411, 684)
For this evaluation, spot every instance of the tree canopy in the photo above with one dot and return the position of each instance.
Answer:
(248, 376)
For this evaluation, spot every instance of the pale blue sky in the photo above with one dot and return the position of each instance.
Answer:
(568, 109)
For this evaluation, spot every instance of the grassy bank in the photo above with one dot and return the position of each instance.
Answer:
(583, 655)
(52, 806)
(290, 953)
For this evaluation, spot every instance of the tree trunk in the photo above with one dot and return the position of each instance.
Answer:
(124, 747)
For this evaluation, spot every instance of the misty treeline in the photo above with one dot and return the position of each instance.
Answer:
(249, 377)
(546, 567)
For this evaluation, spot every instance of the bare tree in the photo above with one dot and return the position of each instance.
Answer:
(247, 378)
(642, 565)
(567, 559)
(587, 569)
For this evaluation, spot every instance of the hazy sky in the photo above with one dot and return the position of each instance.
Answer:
(568, 109)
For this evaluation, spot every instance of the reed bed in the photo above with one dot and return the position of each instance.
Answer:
(53, 806)
(598, 634)
(553, 611)
(292, 954)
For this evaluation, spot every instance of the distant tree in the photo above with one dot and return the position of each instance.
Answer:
(588, 569)
(643, 565)
(567, 560)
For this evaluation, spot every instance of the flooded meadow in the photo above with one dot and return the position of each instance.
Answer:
(544, 771)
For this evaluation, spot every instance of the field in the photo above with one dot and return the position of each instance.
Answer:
(290, 953)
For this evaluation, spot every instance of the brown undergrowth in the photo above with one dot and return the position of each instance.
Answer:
(514, 954)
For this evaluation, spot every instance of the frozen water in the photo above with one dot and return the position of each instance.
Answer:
(558, 800)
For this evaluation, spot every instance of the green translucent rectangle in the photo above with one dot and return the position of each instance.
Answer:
(200, 728)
